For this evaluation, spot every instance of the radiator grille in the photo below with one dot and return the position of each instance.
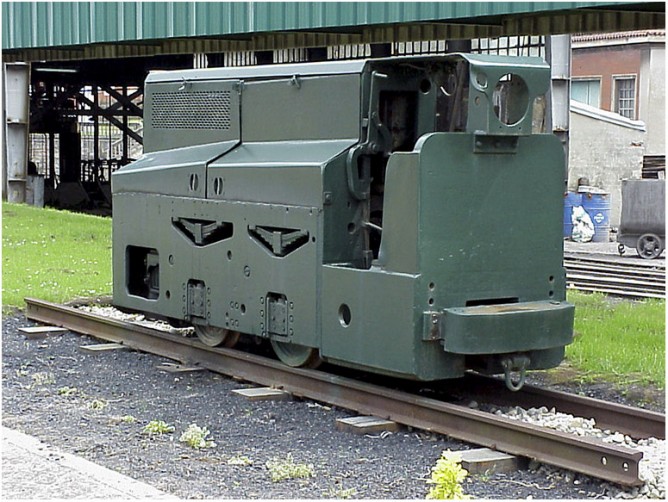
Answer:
(191, 110)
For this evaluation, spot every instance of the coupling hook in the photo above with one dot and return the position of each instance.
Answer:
(515, 363)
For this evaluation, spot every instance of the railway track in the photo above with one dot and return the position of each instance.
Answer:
(606, 461)
(610, 276)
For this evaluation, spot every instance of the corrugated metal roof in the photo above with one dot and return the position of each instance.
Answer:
(60, 24)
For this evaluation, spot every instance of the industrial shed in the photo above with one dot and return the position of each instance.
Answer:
(73, 72)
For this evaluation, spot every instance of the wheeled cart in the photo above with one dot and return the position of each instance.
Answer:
(643, 223)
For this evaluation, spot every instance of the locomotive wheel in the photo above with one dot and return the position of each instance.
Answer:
(296, 356)
(214, 336)
(649, 246)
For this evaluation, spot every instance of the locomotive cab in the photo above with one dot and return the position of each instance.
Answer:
(401, 216)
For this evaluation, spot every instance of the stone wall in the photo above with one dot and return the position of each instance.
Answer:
(606, 148)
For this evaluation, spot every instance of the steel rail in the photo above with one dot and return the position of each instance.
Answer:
(616, 260)
(634, 280)
(590, 280)
(650, 274)
(634, 422)
(612, 280)
(630, 276)
(585, 455)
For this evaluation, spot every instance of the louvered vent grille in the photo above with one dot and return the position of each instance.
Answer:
(191, 110)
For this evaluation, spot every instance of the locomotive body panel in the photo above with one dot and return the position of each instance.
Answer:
(187, 113)
(281, 172)
(181, 172)
(486, 219)
(298, 108)
(394, 215)
(494, 285)
(239, 274)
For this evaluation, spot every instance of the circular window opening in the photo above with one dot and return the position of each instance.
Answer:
(511, 99)
(425, 86)
(344, 315)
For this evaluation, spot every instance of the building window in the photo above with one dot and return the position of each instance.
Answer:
(587, 91)
(625, 96)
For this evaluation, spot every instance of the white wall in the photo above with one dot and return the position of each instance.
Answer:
(652, 98)
(606, 148)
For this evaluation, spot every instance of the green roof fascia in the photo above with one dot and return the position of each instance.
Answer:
(56, 24)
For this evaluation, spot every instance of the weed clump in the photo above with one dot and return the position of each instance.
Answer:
(281, 469)
(98, 404)
(196, 437)
(239, 460)
(446, 477)
(157, 427)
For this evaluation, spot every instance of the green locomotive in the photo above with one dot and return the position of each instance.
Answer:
(395, 215)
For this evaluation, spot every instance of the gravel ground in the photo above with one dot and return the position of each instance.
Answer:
(81, 403)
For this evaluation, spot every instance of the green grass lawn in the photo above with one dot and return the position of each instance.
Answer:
(58, 256)
(619, 340)
(53, 255)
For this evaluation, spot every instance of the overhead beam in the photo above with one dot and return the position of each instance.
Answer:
(546, 23)
(584, 21)
(298, 39)
(429, 31)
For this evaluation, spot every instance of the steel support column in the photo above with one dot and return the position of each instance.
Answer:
(125, 125)
(558, 55)
(16, 103)
(96, 123)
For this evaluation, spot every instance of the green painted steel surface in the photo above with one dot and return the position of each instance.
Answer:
(490, 328)
(237, 272)
(398, 215)
(49, 24)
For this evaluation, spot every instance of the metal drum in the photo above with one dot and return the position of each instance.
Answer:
(571, 200)
(597, 205)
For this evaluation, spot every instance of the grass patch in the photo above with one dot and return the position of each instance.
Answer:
(619, 341)
(53, 255)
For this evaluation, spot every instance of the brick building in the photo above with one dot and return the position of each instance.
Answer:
(617, 120)
(624, 73)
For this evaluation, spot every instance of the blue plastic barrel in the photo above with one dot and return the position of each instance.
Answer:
(571, 199)
(597, 205)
